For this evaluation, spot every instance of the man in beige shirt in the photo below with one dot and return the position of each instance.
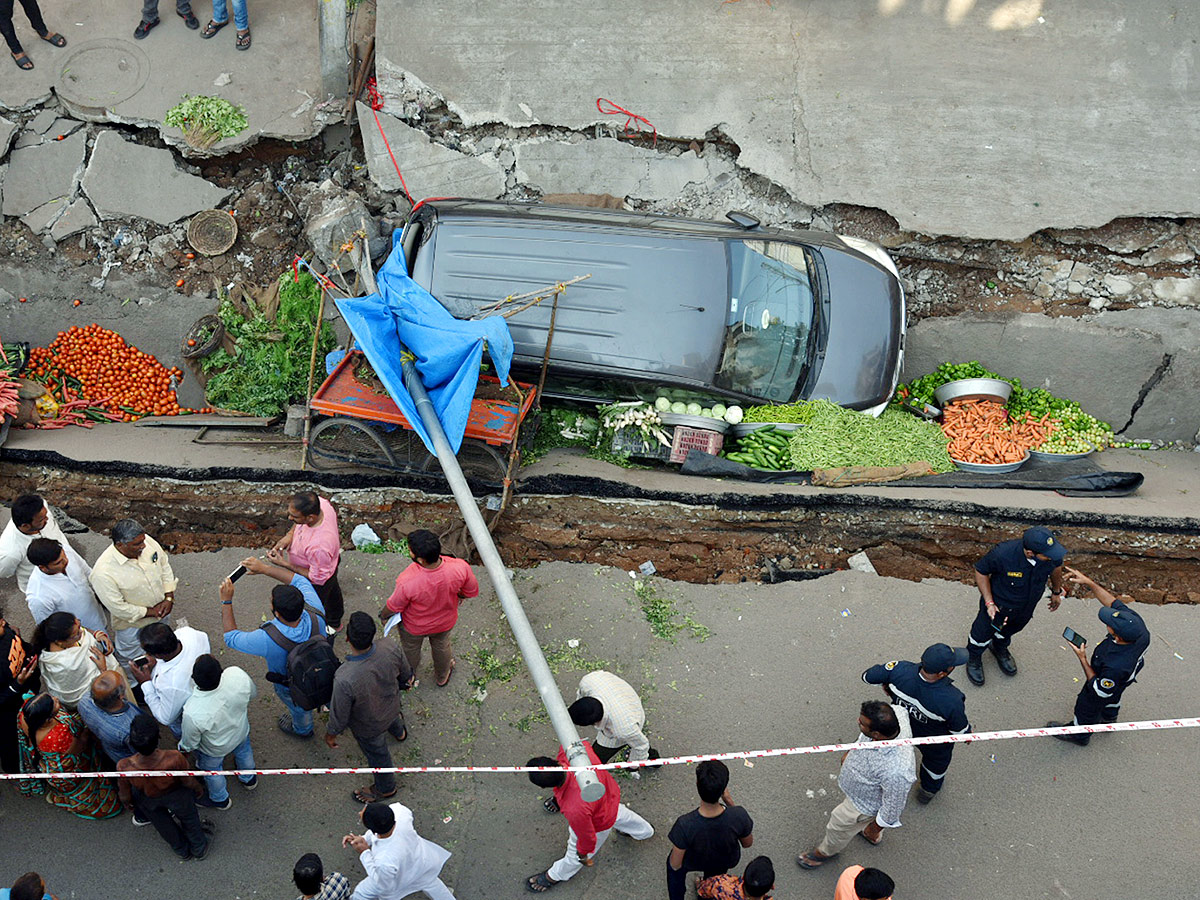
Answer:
(134, 581)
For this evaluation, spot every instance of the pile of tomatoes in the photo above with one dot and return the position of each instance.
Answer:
(111, 373)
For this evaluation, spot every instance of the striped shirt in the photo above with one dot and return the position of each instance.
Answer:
(336, 886)
(877, 780)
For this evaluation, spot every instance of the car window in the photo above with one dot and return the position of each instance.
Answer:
(770, 319)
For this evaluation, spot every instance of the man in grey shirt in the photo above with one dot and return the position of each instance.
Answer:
(366, 700)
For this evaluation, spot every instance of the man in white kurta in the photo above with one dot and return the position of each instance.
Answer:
(30, 520)
(398, 861)
(62, 584)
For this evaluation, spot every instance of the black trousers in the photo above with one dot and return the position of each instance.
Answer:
(677, 879)
(984, 632)
(1091, 710)
(330, 593)
(10, 754)
(175, 817)
(935, 760)
(6, 22)
(604, 754)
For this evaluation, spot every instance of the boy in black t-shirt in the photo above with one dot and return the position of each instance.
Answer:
(710, 838)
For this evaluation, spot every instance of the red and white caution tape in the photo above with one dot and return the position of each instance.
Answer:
(1152, 725)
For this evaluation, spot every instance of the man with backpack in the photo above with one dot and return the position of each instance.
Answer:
(366, 700)
(300, 662)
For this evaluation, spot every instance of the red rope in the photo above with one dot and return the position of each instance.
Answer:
(632, 120)
(376, 101)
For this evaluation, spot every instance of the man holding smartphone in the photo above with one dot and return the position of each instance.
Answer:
(1011, 579)
(1115, 662)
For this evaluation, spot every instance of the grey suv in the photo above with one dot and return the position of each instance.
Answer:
(722, 309)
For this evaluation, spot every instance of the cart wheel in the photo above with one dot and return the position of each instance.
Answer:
(477, 459)
(345, 443)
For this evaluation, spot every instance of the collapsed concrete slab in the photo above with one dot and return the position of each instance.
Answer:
(611, 167)
(1104, 368)
(430, 169)
(37, 175)
(7, 130)
(75, 218)
(333, 216)
(124, 179)
(38, 220)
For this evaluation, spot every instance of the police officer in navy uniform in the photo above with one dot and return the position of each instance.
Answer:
(1011, 578)
(1115, 664)
(935, 706)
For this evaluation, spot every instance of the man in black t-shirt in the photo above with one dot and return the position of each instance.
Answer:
(710, 838)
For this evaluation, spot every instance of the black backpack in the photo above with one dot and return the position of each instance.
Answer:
(310, 665)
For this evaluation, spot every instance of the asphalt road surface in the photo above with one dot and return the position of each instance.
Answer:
(779, 666)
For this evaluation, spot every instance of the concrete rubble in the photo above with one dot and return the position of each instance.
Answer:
(37, 175)
(124, 179)
(332, 216)
(7, 130)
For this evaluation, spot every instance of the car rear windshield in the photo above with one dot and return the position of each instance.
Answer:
(770, 320)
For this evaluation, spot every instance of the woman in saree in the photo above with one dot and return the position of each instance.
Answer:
(54, 741)
(70, 657)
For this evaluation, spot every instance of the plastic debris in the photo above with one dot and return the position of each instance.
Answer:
(573, 643)
(364, 536)
(846, 613)
(447, 820)
(747, 764)
(811, 795)
(647, 568)
(992, 757)
(480, 695)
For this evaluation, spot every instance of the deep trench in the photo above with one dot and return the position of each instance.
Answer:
(701, 539)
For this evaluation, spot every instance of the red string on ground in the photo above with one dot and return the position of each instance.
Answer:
(376, 101)
(632, 120)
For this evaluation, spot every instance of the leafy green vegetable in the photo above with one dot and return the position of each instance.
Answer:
(206, 120)
(269, 368)
(842, 437)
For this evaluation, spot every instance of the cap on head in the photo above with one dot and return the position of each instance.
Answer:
(943, 658)
(1040, 540)
(1125, 623)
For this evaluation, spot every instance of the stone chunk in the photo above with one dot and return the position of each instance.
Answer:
(42, 121)
(7, 130)
(127, 179)
(40, 174)
(430, 169)
(77, 217)
(38, 220)
(1178, 291)
(332, 217)
(1118, 285)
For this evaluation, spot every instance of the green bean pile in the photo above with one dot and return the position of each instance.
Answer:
(798, 413)
(842, 437)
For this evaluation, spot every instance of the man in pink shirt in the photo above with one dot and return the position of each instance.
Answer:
(427, 596)
(313, 549)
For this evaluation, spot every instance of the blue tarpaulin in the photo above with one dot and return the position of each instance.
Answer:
(448, 351)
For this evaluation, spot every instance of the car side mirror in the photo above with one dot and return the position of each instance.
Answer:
(743, 219)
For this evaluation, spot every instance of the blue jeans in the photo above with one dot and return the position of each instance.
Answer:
(241, 19)
(243, 758)
(302, 719)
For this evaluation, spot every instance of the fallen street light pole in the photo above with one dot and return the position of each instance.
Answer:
(590, 787)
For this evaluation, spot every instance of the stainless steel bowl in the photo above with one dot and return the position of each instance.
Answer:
(1050, 457)
(991, 468)
(973, 389)
(704, 422)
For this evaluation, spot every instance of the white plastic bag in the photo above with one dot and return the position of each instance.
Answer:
(363, 536)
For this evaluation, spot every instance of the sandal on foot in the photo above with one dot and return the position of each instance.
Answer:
(54, 38)
(539, 883)
(212, 28)
(873, 843)
(243, 40)
(448, 674)
(551, 805)
(812, 860)
(368, 794)
(23, 62)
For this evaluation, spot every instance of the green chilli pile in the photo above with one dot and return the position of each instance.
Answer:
(837, 437)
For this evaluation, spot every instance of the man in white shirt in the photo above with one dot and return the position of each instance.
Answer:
(59, 583)
(398, 861)
(216, 723)
(134, 581)
(613, 706)
(166, 676)
(30, 519)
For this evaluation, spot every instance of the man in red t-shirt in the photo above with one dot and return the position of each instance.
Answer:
(588, 824)
(427, 596)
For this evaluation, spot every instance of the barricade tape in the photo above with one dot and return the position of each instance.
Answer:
(1151, 725)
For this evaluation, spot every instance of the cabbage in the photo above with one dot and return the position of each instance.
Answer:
(733, 415)
(693, 409)
(679, 407)
(662, 404)
(718, 411)
(707, 413)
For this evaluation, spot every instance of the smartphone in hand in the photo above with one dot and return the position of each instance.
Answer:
(237, 573)
(1075, 638)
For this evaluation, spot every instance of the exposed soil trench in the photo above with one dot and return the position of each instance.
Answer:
(735, 539)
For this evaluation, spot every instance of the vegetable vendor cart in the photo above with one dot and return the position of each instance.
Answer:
(367, 429)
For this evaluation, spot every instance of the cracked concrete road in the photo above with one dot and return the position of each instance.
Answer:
(976, 118)
(780, 668)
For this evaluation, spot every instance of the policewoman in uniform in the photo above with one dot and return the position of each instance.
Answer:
(1115, 664)
(935, 706)
(1011, 578)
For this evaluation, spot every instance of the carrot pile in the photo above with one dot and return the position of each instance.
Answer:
(981, 431)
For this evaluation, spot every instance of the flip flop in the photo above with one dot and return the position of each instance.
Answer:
(368, 795)
(874, 843)
(23, 62)
(448, 674)
(243, 42)
(812, 860)
(54, 38)
(539, 883)
(212, 28)
(551, 805)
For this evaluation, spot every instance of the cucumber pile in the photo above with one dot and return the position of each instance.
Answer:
(765, 448)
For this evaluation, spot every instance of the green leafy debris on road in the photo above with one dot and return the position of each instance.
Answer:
(663, 615)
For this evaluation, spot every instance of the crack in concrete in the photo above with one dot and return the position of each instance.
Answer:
(1151, 384)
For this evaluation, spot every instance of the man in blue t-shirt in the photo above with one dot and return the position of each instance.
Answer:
(295, 623)
(1115, 664)
(1012, 577)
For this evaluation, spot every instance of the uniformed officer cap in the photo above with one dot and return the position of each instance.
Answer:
(1040, 540)
(943, 658)
(1127, 624)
